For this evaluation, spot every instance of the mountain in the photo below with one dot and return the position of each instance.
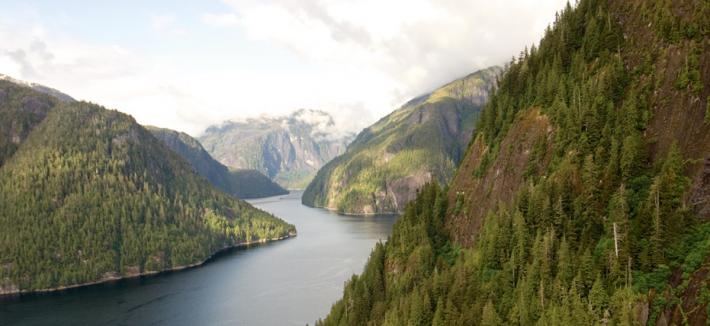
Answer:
(89, 195)
(584, 196)
(240, 183)
(24, 105)
(288, 149)
(421, 141)
(39, 88)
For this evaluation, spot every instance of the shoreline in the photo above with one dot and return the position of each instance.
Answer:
(291, 234)
(335, 210)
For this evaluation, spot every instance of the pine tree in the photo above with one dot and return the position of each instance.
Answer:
(598, 298)
(420, 314)
(490, 317)
(439, 314)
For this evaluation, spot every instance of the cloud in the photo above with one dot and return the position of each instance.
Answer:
(220, 20)
(107, 74)
(19, 57)
(166, 24)
(321, 123)
(417, 44)
(357, 60)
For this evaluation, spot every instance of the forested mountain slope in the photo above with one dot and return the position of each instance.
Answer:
(240, 183)
(288, 149)
(87, 195)
(422, 141)
(583, 198)
(21, 109)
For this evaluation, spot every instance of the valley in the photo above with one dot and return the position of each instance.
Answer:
(515, 174)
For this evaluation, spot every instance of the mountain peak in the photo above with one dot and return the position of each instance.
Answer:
(40, 88)
(287, 148)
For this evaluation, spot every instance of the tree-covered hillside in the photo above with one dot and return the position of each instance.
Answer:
(422, 141)
(584, 197)
(21, 109)
(87, 194)
(240, 183)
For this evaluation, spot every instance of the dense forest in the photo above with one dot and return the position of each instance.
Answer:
(242, 183)
(88, 194)
(421, 141)
(22, 109)
(584, 197)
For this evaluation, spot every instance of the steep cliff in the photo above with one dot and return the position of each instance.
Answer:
(583, 198)
(422, 141)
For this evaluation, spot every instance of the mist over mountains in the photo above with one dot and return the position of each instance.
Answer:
(289, 149)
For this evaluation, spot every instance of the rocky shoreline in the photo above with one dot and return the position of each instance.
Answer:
(15, 291)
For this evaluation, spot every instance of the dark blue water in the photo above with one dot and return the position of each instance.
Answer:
(290, 282)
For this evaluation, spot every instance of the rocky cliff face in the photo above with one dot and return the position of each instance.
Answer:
(287, 149)
(389, 161)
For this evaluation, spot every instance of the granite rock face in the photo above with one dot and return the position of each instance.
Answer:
(287, 149)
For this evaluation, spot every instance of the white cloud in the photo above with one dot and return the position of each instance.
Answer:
(166, 24)
(416, 44)
(220, 20)
(106, 74)
(357, 60)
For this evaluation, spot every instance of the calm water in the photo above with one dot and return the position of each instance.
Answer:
(290, 282)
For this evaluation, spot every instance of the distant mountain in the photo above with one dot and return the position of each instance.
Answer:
(87, 194)
(240, 183)
(288, 149)
(422, 141)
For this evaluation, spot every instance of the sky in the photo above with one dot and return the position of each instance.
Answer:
(186, 65)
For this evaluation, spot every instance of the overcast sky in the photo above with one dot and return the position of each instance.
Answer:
(188, 64)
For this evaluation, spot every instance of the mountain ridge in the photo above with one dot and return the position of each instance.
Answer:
(90, 195)
(421, 141)
(288, 149)
(40, 88)
(582, 198)
(243, 184)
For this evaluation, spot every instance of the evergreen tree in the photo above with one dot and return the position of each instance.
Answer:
(490, 316)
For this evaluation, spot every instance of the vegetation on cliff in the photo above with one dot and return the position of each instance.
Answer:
(607, 221)
(422, 141)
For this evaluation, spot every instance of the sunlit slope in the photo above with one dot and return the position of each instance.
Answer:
(419, 142)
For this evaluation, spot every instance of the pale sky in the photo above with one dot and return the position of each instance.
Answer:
(188, 64)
